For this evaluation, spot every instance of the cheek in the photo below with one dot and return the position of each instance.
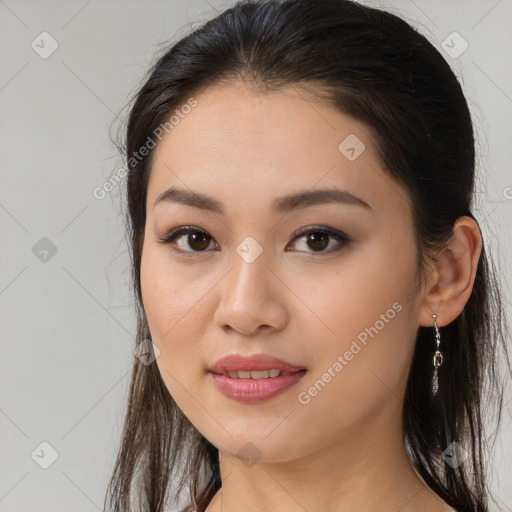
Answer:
(364, 317)
(362, 375)
(175, 315)
(169, 295)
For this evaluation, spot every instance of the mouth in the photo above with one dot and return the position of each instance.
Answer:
(252, 387)
(255, 366)
(257, 374)
(255, 377)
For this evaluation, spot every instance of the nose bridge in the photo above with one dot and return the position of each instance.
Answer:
(248, 276)
(247, 293)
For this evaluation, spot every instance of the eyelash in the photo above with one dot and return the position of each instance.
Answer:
(183, 230)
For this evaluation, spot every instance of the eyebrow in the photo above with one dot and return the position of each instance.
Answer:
(284, 204)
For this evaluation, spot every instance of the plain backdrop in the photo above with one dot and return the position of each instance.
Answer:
(66, 308)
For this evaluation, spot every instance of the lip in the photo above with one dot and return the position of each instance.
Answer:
(254, 390)
(235, 362)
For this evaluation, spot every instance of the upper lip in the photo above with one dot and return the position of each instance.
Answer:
(235, 362)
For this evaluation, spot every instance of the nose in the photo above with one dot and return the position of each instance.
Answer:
(252, 298)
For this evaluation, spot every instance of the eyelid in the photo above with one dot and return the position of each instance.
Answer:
(318, 227)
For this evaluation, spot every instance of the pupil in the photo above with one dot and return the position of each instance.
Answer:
(317, 238)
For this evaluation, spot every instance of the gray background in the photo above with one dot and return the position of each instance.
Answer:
(67, 318)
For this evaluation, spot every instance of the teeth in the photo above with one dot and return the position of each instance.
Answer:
(260, 374)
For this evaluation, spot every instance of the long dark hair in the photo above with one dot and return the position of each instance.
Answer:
(371, 65)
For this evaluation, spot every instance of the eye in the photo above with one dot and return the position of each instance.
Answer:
(197, 239)
(317, 238)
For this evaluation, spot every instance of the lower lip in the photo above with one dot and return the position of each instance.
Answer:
(255, 390)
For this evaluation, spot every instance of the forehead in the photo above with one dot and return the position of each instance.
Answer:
(236, 141)
(269, 125)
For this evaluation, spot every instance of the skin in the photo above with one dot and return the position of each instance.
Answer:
(343, 450)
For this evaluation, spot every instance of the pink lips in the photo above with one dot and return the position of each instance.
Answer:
(254, 390)
(234, 362)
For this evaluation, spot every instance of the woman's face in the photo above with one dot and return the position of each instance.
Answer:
(245, 283)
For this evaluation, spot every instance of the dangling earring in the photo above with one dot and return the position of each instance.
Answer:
(437, 360)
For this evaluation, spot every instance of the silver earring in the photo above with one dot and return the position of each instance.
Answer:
(437, 359)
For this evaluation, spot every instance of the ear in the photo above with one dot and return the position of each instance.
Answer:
(451, 281)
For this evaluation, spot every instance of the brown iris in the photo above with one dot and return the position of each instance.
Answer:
(201, 239)
(319, 239)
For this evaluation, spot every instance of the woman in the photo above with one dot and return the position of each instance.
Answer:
(321, 317)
